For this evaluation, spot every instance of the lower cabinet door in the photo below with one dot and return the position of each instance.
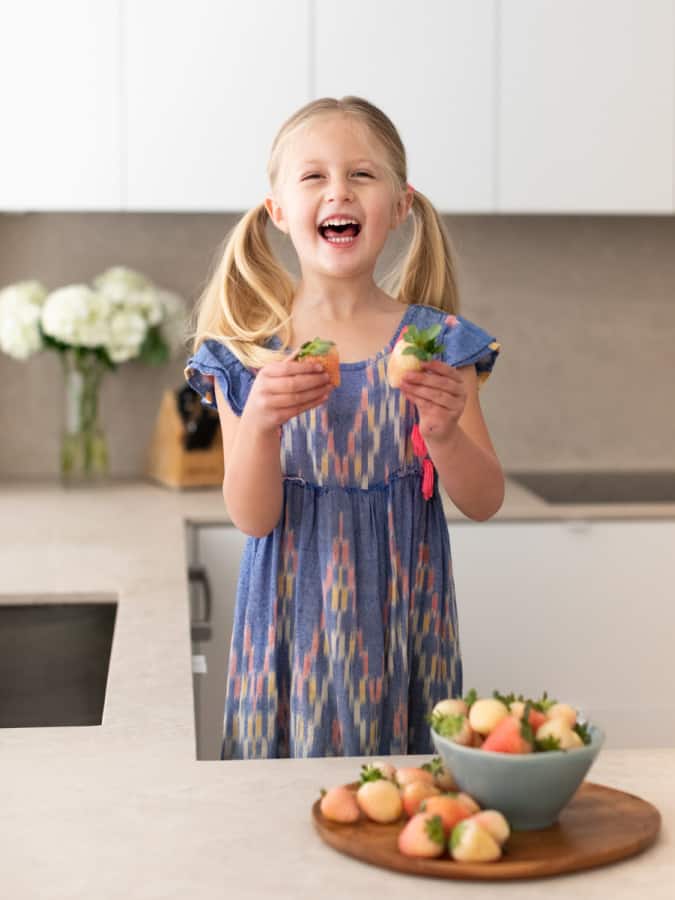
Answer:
(219, 549)
(582, 609)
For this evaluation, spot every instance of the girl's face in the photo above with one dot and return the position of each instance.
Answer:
(330, 168)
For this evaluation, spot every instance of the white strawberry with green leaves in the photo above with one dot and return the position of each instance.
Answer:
(495, 823)
(413, 347)
(443, 777)
(377, 797)
(471, 842)
(455, 727)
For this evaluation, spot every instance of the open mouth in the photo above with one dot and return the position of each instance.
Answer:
(340, 234)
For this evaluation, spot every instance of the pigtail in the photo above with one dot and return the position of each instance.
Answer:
(427, 274)
(248, 295)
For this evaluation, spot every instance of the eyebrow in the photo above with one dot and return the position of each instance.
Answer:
(317, 162)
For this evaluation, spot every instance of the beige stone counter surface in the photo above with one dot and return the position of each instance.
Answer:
(124, 809)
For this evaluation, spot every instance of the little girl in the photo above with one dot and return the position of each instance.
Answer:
(345, 628)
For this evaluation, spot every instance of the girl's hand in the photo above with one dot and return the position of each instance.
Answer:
(284, 389)
(439, 393)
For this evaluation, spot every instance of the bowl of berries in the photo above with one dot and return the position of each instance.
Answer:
(521, 756)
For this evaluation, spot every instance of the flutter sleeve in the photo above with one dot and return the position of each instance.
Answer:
(214, 360)
(465, 343)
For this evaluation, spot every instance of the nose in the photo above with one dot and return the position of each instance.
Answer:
(339, 188)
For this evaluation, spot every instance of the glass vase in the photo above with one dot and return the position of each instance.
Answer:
(84, 449)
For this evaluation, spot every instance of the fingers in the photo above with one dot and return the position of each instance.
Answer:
(292, 378)
(283, 390)
(435, 389)
(282, 407)
(309, 400)
(439, 367)
(436, 374)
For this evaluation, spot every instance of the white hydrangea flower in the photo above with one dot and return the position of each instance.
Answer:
(115, 315)
(128, 330)
(132, 291)
(78, 316)
(20, 309)
(148, 304)
(118, 282)
(173, 328)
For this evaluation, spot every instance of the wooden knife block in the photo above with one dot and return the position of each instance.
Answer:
(170, 463)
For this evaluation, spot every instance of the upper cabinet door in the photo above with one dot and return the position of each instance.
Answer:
(60, 105)
(207, 85)
(431, 68)
(586, 106)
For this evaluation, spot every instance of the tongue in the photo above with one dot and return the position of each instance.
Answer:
(347, 231)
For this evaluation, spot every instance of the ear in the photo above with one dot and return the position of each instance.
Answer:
(403, 206)
(276, 213)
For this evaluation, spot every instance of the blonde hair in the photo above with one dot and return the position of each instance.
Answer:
(249, 295)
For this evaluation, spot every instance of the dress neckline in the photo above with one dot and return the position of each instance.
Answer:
(274, 341)
(362, 363)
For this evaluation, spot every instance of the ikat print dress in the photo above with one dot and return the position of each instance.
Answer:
(345, 628)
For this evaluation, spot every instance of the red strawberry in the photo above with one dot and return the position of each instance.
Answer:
(422, 836)
(449, 807)
(536, 719)
(412, 349)
(510, 735)
(339, 804)
(325, 353)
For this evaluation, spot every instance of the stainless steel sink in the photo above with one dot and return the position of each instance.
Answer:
(54, 662)
(600, 487)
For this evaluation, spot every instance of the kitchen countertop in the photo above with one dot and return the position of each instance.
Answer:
(124, 809)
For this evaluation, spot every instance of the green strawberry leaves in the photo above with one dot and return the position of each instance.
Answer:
(581, 729)
(543, 704)
(434, 830)
(471, 698)
(316, 347)
(446, 726)
(526, 729)
(435, 766)
(423, 344)
(370, 773)
(547, 743)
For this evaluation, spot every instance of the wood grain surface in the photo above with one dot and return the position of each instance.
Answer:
(599, 825)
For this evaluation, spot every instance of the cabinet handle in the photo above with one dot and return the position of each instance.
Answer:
(198, 575)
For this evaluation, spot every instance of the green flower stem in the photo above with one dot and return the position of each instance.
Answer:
(84, 454)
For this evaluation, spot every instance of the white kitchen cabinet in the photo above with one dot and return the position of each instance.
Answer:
(528, 107)
(582, 609)
(586, 109)
(60, 101)
(431, 68)
(207, 85)
(218, 549)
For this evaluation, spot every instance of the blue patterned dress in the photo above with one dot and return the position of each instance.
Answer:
(345, 629)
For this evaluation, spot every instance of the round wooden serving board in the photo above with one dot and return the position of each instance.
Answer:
(599, 825)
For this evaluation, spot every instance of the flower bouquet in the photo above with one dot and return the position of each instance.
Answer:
(122, 316)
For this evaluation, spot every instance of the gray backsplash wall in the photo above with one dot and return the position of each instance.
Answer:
(584, 308)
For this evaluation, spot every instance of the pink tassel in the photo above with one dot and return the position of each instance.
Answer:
(419, 447)
(420, 450)
(452, 320)
(427, 478)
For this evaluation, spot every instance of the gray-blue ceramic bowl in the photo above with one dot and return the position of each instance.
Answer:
(530, 789)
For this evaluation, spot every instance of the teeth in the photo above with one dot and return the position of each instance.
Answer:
(339, 221)
(341, 240)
